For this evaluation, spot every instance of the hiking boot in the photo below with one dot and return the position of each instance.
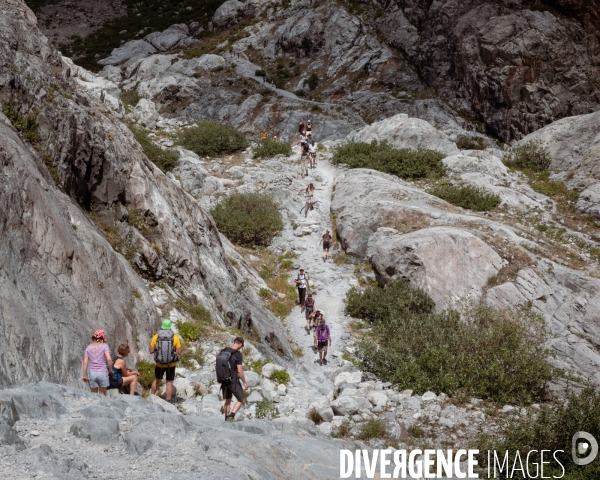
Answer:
(325, 361)
(230, 418)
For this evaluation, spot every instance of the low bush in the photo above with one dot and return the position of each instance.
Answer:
(315, 416)
(208, 138)
(197, 312)
(189, 331)
(266, 409)
(248, 219)
(480, 351)
(269, 148)
(553, 429)
(404, 163)
(374, 428)
(256, 365)
(260, 73)
(146, 370)
(188, 354)
(28, 127)
(531, 156)
(470, 143)
(130, 98)
(467, 196)
(300, 93)
(164, 159)
(280, 376)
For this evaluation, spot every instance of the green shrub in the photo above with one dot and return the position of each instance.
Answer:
(248, 219)
(146, 370)
(265, 293)
(315, 416)
(382, 156)
(189, 331)
(211, 138)
(312, 82)
(260, 73)
(470, 143)
(315, 108)
(482, 351)
(553, 429)
(197, 312)
(468, 196)
(189, 354)
(28, 127)
(269, 148)
(281, 376)
(164, 159)
(374, 428)
(300, 93)
(529, 156)
(130, 98)
(256, 365)
(266, 409)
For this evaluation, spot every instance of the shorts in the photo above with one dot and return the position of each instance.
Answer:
(307, 312)
(98, 379)
(160, 371)
(325, 246)
(115, 383)
(321, 345)
(233, 388)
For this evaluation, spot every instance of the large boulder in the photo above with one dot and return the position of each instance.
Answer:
(447, 262)
(169, 38)
(344, 406)
(128, 53)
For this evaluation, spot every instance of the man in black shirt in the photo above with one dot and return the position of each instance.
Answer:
(234, 388)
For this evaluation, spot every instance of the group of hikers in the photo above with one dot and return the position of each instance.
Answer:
(308, 148)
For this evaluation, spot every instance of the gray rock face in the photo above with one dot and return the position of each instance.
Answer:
(62, 276)
(169, 38)
(129, 52)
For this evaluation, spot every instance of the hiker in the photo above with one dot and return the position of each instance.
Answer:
(123, 376)
(301, 128)
(312, 154)
(309, 307)
(302, 283)
(166, 347)
(97, 356)
(322, 340)
(309, 191)
(316, 318)
(309, 129)
(275, 138)
(263, 135)
(304, 159)
(229, 373)
(326, 240)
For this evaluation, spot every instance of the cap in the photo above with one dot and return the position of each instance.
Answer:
(166, 324)
(99, 334)
(239, 340)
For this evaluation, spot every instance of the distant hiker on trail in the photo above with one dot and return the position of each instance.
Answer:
(326, 240)
(275, 138)
(302, 283)
(123, 376)
(309, 192)
(312, 154)
(322, 340)
(309, 128)
(301, 128)
(263, 135)
(229, 370)
(316, 317)
(166, 347)
(97, 356)
(309, 307)
(304, 159)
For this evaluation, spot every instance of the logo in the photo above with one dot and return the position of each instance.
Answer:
(584, 443)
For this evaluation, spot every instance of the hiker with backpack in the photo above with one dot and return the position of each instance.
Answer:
(302, 283)
(97, 357)
(123, 376)
(312, 153)
(322, 340)
(326, 240)
(309, 192)
(309, 128)
(228, 366)
(301, 128)
(309, 307)
(166, 347)
(304, 149)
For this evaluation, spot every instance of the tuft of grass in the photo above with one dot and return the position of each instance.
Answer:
(467, 196)
(416, 431)
(256, 365)
(312, 82)
(146, 370)
(315, 416)
(265, 293)
(486, 352)
(470, 143)
(189, 331)
(404, 163)
(164, 159)
(248, 219)
(208, 138)
(531, 156)
(266, 409)
(280, 376)
(130, 98)
(343, 431)
(27, 127)
(197, 312)
(374, 428)
(269, 148)
(188, 354)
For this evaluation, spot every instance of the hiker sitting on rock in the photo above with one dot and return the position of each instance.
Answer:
(322, 340)
(229, 370)
(166, 347)
(97, 356)
(302, 284)
(309, 307)
(123, 376)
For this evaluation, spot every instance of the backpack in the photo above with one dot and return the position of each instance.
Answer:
(320, 331)
(165, 349)
(223, 367)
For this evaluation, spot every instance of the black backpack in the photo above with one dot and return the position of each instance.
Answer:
(165, 349)
(223, 366)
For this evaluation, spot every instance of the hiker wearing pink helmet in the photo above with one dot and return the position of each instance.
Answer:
(97, 357)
